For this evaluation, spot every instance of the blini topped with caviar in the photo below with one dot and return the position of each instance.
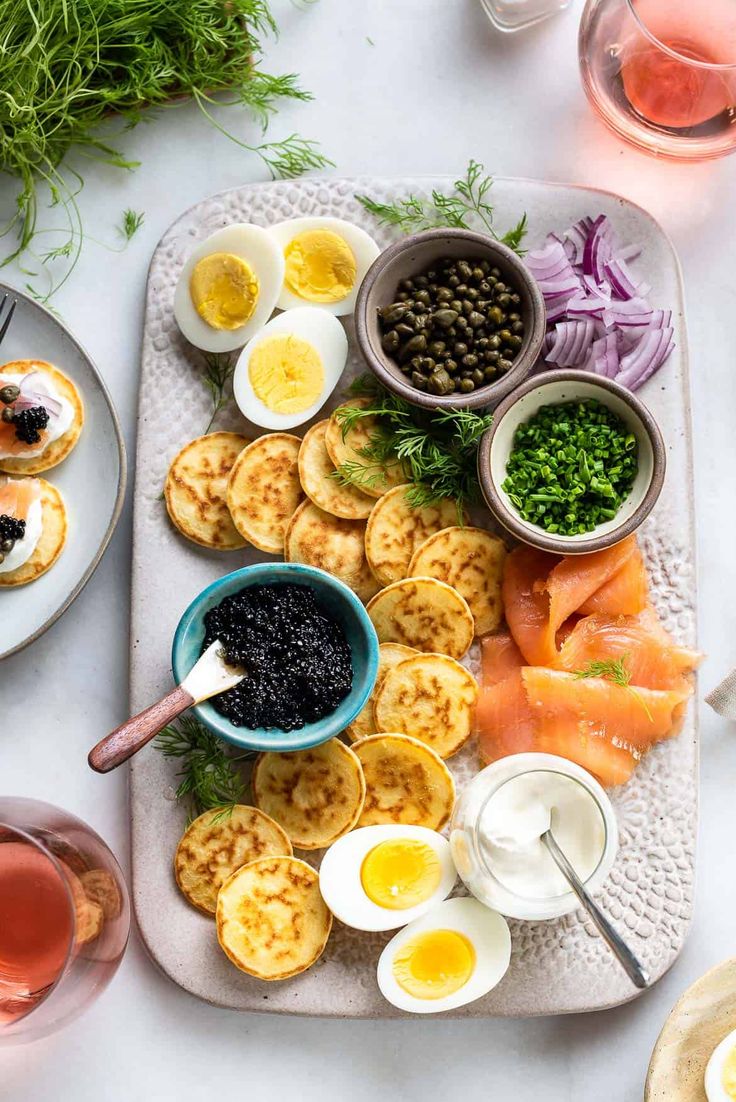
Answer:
(41, 416)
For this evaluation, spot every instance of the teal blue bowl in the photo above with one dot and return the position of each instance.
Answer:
(337, 598)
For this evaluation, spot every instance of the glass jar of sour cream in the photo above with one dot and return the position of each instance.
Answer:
(497, 828)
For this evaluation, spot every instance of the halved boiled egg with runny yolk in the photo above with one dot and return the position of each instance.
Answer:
(381, 877)
(286, 373)
(452, 955)
(720, 1074)
(228, 287)
(325, 260)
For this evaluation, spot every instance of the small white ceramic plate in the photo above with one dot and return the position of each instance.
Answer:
(92, 479)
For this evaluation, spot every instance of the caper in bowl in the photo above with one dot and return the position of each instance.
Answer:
(450, 319)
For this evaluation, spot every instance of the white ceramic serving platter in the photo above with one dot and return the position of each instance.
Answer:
(91, 479)
(557, 967)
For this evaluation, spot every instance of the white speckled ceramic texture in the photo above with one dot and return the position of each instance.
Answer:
(557, 967)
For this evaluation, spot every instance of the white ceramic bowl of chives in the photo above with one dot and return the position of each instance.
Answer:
(553, 389)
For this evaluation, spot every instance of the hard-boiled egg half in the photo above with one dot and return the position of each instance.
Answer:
(453, 955)
(228, 287)
(325, 261)
(720, 1074)
(290, 368)
(381, 877)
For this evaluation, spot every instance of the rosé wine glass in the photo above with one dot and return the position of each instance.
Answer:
(662, 73)
(64, 918)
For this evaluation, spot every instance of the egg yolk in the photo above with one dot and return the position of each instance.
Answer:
(320, 266)
(728, 1075)
(224, 290)
(434, 964)
(400, 873)
(286, 373)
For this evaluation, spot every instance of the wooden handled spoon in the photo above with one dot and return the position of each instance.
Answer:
(211, 675)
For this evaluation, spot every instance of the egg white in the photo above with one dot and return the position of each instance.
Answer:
(341, 887)
(361, 244)
(258, 248)
(318, 328)
(487, 932)
(713, 1087)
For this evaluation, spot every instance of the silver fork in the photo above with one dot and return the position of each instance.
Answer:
(6, 318)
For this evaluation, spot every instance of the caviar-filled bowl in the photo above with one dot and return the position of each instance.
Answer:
(450, 319)
(292, 686)
(572, 463)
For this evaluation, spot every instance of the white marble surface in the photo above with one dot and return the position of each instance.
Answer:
(436, 87)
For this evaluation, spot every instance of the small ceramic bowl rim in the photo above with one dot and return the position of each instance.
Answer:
(560, 544)
(313, 734)
(484, 395)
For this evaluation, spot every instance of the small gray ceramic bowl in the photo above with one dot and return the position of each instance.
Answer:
(414, 255)
(551, 389)
(337, 599)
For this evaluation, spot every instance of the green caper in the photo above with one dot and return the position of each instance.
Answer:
(436, 348)
(421, 281)
(453, 281)
(477, 274)
(475, 320)
(482, 344)
(444, 294)
(406, 284)
(472, 294)
(489, 373)
(457, 305)
(428, 364)
(491, 357)
(418, 343)
(451, 366)
(494, 342)
(495, 315)
(504, 335)
(478, 377)
(484, 266)
(466, 385)
(8, 414)
(9, 393)
(495, 272)
(422, 297)
(404, 330)
(461, 348)
(464, 270)
(484, 287)
(390, 342)
(418, 381)
(504, 365)
(462, 323)
(471, 360)
(7, 546)
(445, 318)
(517, 327)
(500, 288)
(514, 342)
(440, 382)
(392, 313)
(503, 300)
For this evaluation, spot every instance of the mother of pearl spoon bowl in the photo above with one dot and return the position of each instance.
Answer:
(208, 677)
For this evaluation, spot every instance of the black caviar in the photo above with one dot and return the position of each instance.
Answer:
(296, 656)
(29, 423)
(455, 327)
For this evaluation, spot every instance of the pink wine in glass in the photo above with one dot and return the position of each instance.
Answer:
(662, 73)
(36, 926)
(64, 918)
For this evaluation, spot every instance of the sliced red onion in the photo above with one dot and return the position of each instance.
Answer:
(629, 252)
(577, 235)
(583, 306)
(571, 344)
(32, 394)
(645, 358)
(603, 357)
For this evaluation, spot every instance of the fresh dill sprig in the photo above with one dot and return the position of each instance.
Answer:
(469, 203)
(218, 374)
(75, 73)
(438, 450)
(131, 222)
(614, 670)
(210, 777)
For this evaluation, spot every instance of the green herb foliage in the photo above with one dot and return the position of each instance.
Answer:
(210, 777)
(438, 450)
(571, 467)
(131, 223)
(217, 377)
(69, 68)
(614, 670)
(467, 206)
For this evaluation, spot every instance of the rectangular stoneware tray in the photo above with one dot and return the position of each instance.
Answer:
(557, 967)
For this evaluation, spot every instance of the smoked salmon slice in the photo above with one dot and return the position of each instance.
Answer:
(504, 720)
(625, 594)
(500, 657)
(17, 495)
(596, 707)
(540, 592)
(649, 656)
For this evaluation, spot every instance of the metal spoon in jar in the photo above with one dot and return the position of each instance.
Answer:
(618, 946)
(208, 677)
